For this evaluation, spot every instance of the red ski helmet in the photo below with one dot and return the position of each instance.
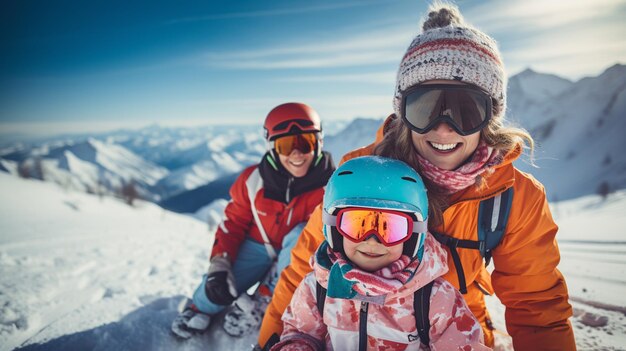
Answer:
(291, 118)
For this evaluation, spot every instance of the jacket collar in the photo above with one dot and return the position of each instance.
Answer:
(281, 186)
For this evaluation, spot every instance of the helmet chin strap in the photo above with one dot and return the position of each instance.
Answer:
(318, 149)
(327, 231)
(272, 157)
(272, 161)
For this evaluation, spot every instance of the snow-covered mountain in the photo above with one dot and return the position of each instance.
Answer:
(577, 125)
(527, 93)
(198, 199)
(91, 165)
(113, 163)
(176, 148)
(161, 161)
(225, 154)
(579, 132)
(360, 132)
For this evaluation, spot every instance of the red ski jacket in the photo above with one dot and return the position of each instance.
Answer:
(281, 202)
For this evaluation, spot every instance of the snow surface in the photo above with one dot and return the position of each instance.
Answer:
(79, 272)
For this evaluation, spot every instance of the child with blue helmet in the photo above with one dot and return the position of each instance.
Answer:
(376, 265)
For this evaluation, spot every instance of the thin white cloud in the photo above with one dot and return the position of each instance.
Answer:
(571, 38)
(344, 106)
(333, 107)
(375, 77)
(528, 15)
(340, 59)
(276, 12)
(382, 46)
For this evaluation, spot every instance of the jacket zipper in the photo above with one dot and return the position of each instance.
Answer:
(363, 326)
(289, 216)
(287, 193)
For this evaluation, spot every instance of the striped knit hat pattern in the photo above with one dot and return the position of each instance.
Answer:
(449, 49)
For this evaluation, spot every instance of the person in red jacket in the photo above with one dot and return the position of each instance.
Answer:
(449, 125)
(270, 203)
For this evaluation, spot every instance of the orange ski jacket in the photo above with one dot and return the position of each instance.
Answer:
(525, 277)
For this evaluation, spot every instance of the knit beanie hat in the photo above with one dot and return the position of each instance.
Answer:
(449, 49)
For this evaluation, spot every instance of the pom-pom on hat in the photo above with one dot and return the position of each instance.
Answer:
(449, 49)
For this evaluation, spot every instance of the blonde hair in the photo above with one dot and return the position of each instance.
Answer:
(397, 143)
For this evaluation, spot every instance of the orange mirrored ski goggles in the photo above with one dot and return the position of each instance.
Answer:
(390, 227)
(305, 143)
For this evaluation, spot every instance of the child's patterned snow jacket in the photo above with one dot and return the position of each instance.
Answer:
(387, 296)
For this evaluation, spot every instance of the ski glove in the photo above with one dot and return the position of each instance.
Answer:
(220, 282)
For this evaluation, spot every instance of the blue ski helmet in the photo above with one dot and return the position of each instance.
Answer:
(376, 182)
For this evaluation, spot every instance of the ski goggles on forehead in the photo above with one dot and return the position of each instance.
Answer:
(390, 227)
(465, 108)
(286, 126)
(305, 143)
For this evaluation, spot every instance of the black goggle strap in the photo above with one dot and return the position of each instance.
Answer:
(299, 122)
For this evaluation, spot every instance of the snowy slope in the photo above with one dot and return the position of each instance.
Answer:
(212, 214)
(593, 260)
(71, 263)
(79, 272)
(8, 166)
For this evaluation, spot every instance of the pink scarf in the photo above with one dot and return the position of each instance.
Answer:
(345, 280)
(483, 159)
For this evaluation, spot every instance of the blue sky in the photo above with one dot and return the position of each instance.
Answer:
(71, 66)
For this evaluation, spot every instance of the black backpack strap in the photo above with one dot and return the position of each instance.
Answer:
(421, 308)
(453, 243)
(493, 215)
(273, 340)
(320, 296)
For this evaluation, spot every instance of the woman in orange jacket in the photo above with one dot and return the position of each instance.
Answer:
(448, 124)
